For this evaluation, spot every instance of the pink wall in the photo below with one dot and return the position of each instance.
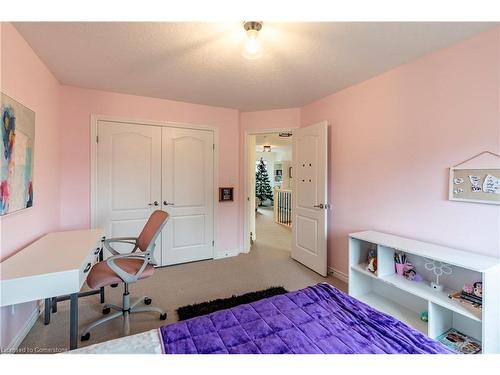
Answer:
(26, 79)
(261, 120)
(393, 137)
(77, 106)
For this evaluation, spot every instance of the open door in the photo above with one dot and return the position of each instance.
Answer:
(310, 202)
(251, 187)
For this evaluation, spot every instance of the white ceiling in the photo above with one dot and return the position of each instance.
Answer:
(276, 142)
(202, 62)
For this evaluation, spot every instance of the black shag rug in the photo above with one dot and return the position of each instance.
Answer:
(191, 311)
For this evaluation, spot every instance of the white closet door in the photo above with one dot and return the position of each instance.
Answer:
(187, 194)
(128, 178)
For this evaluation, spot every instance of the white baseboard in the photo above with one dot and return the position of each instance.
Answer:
(338, 274)
(18, 339)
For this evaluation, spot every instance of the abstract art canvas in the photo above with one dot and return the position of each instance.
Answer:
(17, 147)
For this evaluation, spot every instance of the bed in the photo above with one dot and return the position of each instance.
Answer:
(316, 319)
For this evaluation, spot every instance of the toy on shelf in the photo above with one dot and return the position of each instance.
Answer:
(405, 268)
(439, 269)
(424, 316)
(372, 260)
(410, 273)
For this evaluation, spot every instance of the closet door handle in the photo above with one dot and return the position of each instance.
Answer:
(155, 203)
(165, 203)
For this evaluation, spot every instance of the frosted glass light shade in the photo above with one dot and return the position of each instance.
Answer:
(252, 49)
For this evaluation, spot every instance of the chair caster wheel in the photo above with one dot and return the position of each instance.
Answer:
(106, 310)
(163, 316)
(113, 285)
(85, 337)
(147, 301)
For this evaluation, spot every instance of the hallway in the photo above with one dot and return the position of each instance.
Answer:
(270, 233)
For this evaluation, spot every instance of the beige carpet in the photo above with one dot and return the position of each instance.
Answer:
(175, 286)
(270, 234)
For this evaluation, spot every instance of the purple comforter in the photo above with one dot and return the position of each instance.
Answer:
(317, 319)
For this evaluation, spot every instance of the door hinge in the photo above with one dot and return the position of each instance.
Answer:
(213, 243)
(96, 139)
(213, 146)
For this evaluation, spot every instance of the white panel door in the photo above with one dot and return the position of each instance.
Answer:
(128, 178)
(310, 206)
(187, 194)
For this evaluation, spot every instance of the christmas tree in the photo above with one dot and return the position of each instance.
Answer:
(263, 188)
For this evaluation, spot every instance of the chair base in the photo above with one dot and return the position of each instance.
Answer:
(125, 310)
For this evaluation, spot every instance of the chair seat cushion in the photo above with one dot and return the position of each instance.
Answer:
(101, 275)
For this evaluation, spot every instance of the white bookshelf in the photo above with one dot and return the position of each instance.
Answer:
(404, 299)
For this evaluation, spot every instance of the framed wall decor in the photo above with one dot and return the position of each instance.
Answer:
(476, 185)
(16, 156)
(225, 194)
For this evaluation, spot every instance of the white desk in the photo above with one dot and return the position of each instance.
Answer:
(55, 265)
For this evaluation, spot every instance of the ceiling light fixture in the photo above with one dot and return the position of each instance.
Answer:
(267, 148)
(252, 49)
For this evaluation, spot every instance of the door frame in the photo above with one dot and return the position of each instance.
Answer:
(247, 133)
(95, 118)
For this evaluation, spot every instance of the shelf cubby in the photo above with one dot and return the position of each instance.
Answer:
(359, 252)
(398, 303)
(441, 319)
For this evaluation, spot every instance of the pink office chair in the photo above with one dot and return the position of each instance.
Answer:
(127, 269)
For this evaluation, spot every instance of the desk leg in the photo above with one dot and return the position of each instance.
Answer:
(101, 258)
(48, 304)
(54, 304)
(73, 321)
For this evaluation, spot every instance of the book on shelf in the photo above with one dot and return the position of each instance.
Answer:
(459, 342)
(473, 307)
(471, 297)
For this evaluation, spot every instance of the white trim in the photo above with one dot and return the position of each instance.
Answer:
(23, 332)
(338, 274)
(95, 118)
(247, 133)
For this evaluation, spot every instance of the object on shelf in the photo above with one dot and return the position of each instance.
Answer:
(439, 269)
(473, 292)
(400, 269)
(424, 316)
(460, 342)
(410, 273)
(372, 260)
(400, 261)
(470, 296)
(405, 268)
(469, 305)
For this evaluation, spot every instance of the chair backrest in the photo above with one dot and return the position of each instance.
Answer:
(152, 230)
